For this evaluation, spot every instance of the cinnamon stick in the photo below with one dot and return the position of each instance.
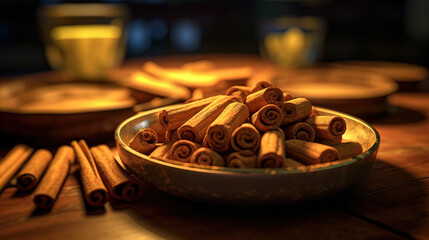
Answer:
(245, 137)
(119, 184)
(182, 150)
(349, 149)
(30, 174)
(162, 151)
(11, 163)
(299, 130)
(206, 156)
(239, 160)
(144, 141)
(287, 97)
(94, 190)
(272, 150)
(245, 89)
(171, 135)
(289, 162)
(260, 85)
(327, 126)
(220, 130)
(269, 95)
(295, 110)
(310, 152)
(49, 187)
(267, 118)
(174, 117)
(331, 142)
(195, 128)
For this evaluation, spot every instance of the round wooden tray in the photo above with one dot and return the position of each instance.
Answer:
(355, 92)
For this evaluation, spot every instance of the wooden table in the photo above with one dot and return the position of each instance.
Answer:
(391, 202)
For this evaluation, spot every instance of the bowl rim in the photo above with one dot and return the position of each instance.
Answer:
(255, 171)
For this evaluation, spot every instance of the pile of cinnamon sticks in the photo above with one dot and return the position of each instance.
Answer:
(101, 175)
(247, 127)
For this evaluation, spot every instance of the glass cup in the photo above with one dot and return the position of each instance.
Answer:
(84, 40)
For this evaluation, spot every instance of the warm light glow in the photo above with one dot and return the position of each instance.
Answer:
(146, 83)
(288, 48)
(194, 79)
(85, 51)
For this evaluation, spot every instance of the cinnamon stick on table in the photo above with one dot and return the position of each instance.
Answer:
(144, 141)
(206, 156)
(240, 160)
(182, 150)
(245, 137)
(11, 163)
(50, 185)
(311, 152)
(195, 128)
(93, 188)
(272, 150)
(220, 130)
(267, 118)
(295, 110)
(327, 126)
(117, 180)
(30, 174)
(299, 130)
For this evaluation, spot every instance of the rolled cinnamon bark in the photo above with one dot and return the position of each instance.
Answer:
(314, 112)
(299, 130)
(295, 110)
(310, 152)
(206, 156)
(239, 160)
(349, 149)
(11, 163)
(331, 142)
(287, 97)
(260, 85)
(182, 150)
(118, 182)
(174, 117)
(289, 162)
(93, 187)
(171, 135)
(269, 117)
(327, 126)
(269, 95)
(272, 150)
(196, 127)
(245, 137)
(32, 171)
(144, 141)
(49, 187)
(245, 89)
(162, 151)
(220, 130)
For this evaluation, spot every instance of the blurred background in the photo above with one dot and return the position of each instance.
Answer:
(392, 30)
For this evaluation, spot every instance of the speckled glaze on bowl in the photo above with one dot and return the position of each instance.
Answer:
(223, 185)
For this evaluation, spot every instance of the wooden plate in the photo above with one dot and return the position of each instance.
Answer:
(355, 92)
(408, 76)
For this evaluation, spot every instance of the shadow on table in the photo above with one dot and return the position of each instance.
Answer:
(371, 209)
(397, 115)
